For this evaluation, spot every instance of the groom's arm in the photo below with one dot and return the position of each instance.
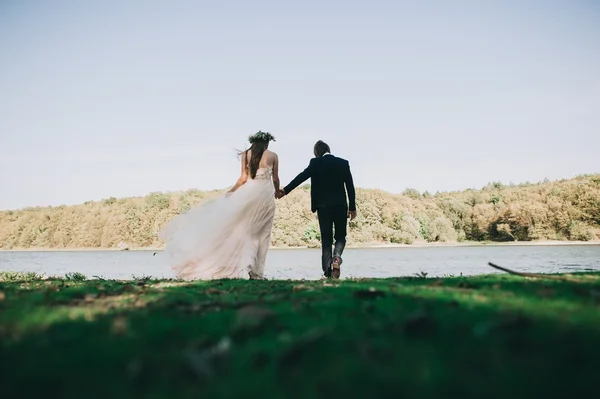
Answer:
(350, 189)
(301, 178)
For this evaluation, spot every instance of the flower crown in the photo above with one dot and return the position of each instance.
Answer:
(261, 136)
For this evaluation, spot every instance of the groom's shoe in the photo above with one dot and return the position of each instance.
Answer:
(336, 267)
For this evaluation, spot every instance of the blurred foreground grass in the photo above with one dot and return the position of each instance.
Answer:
(493, 336)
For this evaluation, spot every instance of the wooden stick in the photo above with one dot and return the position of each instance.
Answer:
(535, 275)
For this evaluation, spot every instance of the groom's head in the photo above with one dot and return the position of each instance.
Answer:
(321, 148)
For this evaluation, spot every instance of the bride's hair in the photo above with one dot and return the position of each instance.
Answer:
(260, 142)
(258, 148)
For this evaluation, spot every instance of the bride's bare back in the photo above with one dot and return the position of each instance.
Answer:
(268, 160)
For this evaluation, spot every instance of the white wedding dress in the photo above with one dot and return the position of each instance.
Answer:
(227, 237)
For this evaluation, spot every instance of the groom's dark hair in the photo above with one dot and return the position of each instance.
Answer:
(321, 148)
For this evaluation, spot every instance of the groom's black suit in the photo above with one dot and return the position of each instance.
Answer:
(330, 179)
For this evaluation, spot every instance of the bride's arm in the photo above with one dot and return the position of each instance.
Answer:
(276, 173)
(243, 176)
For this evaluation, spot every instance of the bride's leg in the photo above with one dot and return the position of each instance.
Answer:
(261, 258)
(263, 222)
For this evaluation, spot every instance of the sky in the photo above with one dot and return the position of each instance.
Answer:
(113, 98)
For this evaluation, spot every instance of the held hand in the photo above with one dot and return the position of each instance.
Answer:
(352, 215)
(280, 193)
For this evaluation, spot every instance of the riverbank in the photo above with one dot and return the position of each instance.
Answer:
(362, 246)
(490, 336)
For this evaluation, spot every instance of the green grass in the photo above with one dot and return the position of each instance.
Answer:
(481, 337)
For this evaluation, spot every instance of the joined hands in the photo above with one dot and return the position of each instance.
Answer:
(279, 193)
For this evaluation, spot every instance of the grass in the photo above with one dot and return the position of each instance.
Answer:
(492, 336)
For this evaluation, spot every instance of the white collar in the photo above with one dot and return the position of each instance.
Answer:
(327, 153)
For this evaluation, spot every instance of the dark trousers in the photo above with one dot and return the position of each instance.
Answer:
(330, 217)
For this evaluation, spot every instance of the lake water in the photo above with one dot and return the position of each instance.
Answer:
(305, 263)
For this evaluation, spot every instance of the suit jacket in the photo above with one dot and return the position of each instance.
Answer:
(330, 179)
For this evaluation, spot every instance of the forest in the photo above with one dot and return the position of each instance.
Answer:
(566, 210)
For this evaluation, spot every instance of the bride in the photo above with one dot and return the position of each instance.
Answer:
(228, 237)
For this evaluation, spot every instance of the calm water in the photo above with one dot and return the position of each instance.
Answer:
(305, 263)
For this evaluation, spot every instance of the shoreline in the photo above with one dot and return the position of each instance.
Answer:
(543, 243)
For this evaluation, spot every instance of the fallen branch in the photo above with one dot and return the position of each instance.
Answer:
(534, 275)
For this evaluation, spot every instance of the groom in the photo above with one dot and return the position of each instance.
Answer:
(330, 179)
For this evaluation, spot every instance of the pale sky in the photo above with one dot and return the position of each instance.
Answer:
(124, 98)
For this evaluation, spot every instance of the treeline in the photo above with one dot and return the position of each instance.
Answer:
(558, 210)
